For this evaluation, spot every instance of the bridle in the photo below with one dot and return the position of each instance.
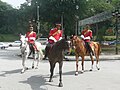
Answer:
(24, 43)
(73, 42)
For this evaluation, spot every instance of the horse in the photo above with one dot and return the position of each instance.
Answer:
(80, 50)
(56, 55)
(25, 51)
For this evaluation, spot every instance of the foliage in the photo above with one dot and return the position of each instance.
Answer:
(15, 21)
(8, 37)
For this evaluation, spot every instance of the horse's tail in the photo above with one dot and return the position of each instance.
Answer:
(99, 48)
(41, 54)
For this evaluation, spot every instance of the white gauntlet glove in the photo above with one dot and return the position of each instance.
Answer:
(26, 39)
(60, 38)
(87, 38)
(82, 36)
(32, 38)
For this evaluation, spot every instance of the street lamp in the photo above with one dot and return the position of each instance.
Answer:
(77, 17)
(116, 14)
(62, 16)
(62, 20)
(38, 22)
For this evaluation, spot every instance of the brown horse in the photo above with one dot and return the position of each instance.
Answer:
(56, 54)
(80, 50)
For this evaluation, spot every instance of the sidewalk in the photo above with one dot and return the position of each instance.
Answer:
(102, 57)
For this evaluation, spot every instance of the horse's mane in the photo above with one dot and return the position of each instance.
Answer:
(59, 43)
(78, 39)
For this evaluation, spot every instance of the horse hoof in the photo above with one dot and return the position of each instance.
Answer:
(76, 73)
(98, 68)
(32, 67)
(90, 69)
(26, 68)
(50, 80)
(60, 85)
(82, 71)
(36, 68)
(22, 71)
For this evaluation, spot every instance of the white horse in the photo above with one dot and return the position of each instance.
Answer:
(25, 50)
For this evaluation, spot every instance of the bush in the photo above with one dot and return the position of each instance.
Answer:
(8, 37)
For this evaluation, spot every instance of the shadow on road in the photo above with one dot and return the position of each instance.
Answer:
(10, 72)
(38, 82)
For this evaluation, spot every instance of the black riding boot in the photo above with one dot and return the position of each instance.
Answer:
(32, 50)
(47, 48)
(89, 49)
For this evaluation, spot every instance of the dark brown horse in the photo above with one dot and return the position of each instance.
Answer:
(81, 51)
(56, 54)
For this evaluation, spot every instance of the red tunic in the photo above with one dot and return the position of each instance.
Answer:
(31, 36)
(87, 33)
(54, 35)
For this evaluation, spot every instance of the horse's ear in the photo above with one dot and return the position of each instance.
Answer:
(72, 36)
(66, 37)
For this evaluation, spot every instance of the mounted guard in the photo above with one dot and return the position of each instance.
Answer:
(86, 35)
(31, 37)
(54, 36)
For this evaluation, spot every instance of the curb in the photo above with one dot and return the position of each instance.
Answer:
(102, 57)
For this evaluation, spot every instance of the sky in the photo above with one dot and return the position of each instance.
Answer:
(14, 3)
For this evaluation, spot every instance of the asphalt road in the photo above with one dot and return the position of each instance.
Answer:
(107, 78)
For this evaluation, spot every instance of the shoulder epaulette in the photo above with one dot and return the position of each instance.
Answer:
(90, 30)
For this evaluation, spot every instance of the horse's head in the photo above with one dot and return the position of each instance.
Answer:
(73, 39)
(23, 40)
(66, 43)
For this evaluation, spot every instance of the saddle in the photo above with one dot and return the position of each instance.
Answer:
(89, 48)
(34, 46)
(49, 46)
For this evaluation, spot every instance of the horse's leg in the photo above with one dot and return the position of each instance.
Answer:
(77, 57)
(40, 54)
(38, 58)
(97, 60)
(60, 73)
(97, 54)
(46, 51)
(97, 64)
(33, 61)
(92, 60)
(23, 63)
(82, 63)
(34, 57)
(52, 66)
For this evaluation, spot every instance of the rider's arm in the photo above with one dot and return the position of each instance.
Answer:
(82, 36)
(33, 37)
(61, 32)
(26, 37)
(91, 34)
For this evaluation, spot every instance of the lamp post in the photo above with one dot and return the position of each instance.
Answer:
(62, 20)
(62, 16)
(116, 14)
(38, 22)
(77, 17)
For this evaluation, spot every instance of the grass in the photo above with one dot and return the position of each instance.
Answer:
(8, 37)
